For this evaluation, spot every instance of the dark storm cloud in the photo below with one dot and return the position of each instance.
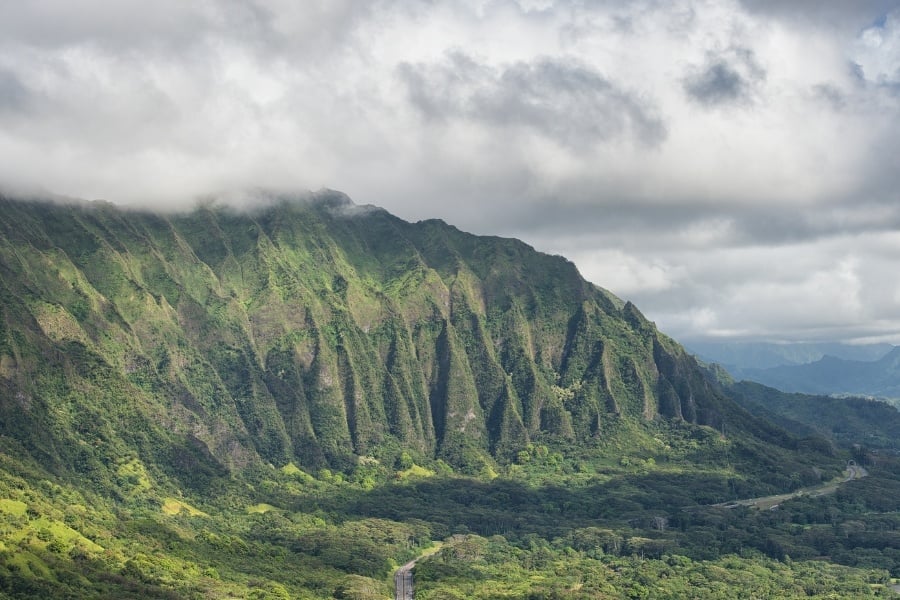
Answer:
(728, 77)
(565, 101)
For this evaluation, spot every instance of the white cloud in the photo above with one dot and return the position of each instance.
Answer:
(877, 51)
(627, 274)
(716, 161)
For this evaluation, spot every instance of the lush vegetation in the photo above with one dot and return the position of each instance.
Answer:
(290, 403)
(315, 332)
(551, 529)
(872, 423)
(479, 568)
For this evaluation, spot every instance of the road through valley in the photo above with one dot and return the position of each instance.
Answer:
(403, 577)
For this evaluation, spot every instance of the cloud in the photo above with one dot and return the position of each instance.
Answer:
(878, 51)
(729, 166)
(726, 78)
(121, 26)
(13, 95)
(716, 84)
(804, 291)
(837, 14)
(558, 98)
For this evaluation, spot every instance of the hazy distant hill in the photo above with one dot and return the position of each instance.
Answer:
(832, 375)
(737, 357)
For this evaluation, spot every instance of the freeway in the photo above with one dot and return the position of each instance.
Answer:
(403, 577)
(403, 582)
(852, 472)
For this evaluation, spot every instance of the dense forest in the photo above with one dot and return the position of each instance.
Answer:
(554, 528)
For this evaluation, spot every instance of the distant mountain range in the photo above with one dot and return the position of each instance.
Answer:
(829, 369)
(737, 356)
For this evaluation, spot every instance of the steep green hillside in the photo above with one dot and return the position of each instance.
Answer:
(289, 402)
(316, 332)
(848, 421)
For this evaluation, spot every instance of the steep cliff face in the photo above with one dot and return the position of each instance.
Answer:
(312, 331)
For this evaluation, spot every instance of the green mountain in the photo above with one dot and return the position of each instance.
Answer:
(289, 401)
(313, 331)
(846, 420)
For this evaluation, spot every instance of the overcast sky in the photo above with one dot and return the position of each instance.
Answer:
(733, 167)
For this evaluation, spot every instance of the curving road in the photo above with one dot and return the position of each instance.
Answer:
(852, 472)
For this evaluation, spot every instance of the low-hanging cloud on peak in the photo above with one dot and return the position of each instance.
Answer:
(678, 151)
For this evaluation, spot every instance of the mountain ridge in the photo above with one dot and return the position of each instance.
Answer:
(315, 332)
(849, 421)
(835, 376)
(284, 402)
(740, 356)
